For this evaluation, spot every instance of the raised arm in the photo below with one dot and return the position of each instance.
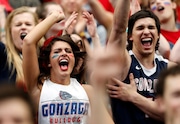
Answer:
(92, 28)
(120, 22)
(128, 92)
(118, 38)
(103, 17)
(30, 58)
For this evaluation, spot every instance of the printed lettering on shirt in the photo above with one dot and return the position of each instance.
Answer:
(65, 112)
(144, 84)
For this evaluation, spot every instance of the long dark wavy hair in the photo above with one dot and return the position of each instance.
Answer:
(45, 53)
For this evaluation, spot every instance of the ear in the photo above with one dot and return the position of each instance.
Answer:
(174, 5)
(49, 65)
(130, 38)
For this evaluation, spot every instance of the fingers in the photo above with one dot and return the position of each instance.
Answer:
(70, 23)
(117, 82)
(131, 78)
(89, 17)
(112, 90)
(72, 18)
(86, 15)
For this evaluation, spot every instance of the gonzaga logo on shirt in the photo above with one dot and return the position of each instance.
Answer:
(65, 110)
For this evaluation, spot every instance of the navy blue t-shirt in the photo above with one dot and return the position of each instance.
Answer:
(5, 72)
(145, 79)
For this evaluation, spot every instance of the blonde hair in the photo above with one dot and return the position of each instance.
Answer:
(14, 59)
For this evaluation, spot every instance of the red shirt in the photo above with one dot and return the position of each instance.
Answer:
(171, 36)
(6, 4)
(107, 5)
(178, 13)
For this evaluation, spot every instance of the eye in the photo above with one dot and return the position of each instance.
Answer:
(140, 27)
(151, 27)
(57, 51)
(18, 24)
(152, 2)
(28, 24)
(68, 50)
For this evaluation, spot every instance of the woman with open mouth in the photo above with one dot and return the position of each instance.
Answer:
(58, 97)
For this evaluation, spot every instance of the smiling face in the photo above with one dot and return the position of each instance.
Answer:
(62, 60)
(144, 36)
(21, 24)
(164, 9)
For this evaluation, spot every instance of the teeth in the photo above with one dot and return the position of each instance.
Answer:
(64, 60)
(146, 39)
(160, 8)
(23, 35)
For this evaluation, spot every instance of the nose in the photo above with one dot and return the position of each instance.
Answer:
(146, 31)
(23, 26)
(63, 52)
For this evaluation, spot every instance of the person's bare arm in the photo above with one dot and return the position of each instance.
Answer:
(148, 106)
(92, 28)
(113, 2)
(120, 22)
(2, 24)
(128, 92)
(164, 47)
(30, 58)
(103, 17)
(118, 37)
(99, 111)
(174, 55)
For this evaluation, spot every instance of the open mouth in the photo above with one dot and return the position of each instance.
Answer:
(160, 8)
(64, 64)
(22, 35)
(146, 42)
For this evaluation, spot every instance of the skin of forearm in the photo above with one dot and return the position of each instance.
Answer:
(100, 114)
(121, 15)
(96, 40)
(150, 107)
(34, 36)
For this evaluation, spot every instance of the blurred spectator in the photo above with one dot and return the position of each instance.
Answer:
(6, 5)
(16, 106)
(44, 10)
(165, 10)
(18, 24)
(70, 6)
(19, 3)
(168, 93)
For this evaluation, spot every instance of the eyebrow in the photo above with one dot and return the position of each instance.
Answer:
(62, 48)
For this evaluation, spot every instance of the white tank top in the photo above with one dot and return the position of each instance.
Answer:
(63, 104)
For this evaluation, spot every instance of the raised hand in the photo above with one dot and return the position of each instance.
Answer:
(58, 15)
(70, 23)
(90, 23)
(134, 6)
